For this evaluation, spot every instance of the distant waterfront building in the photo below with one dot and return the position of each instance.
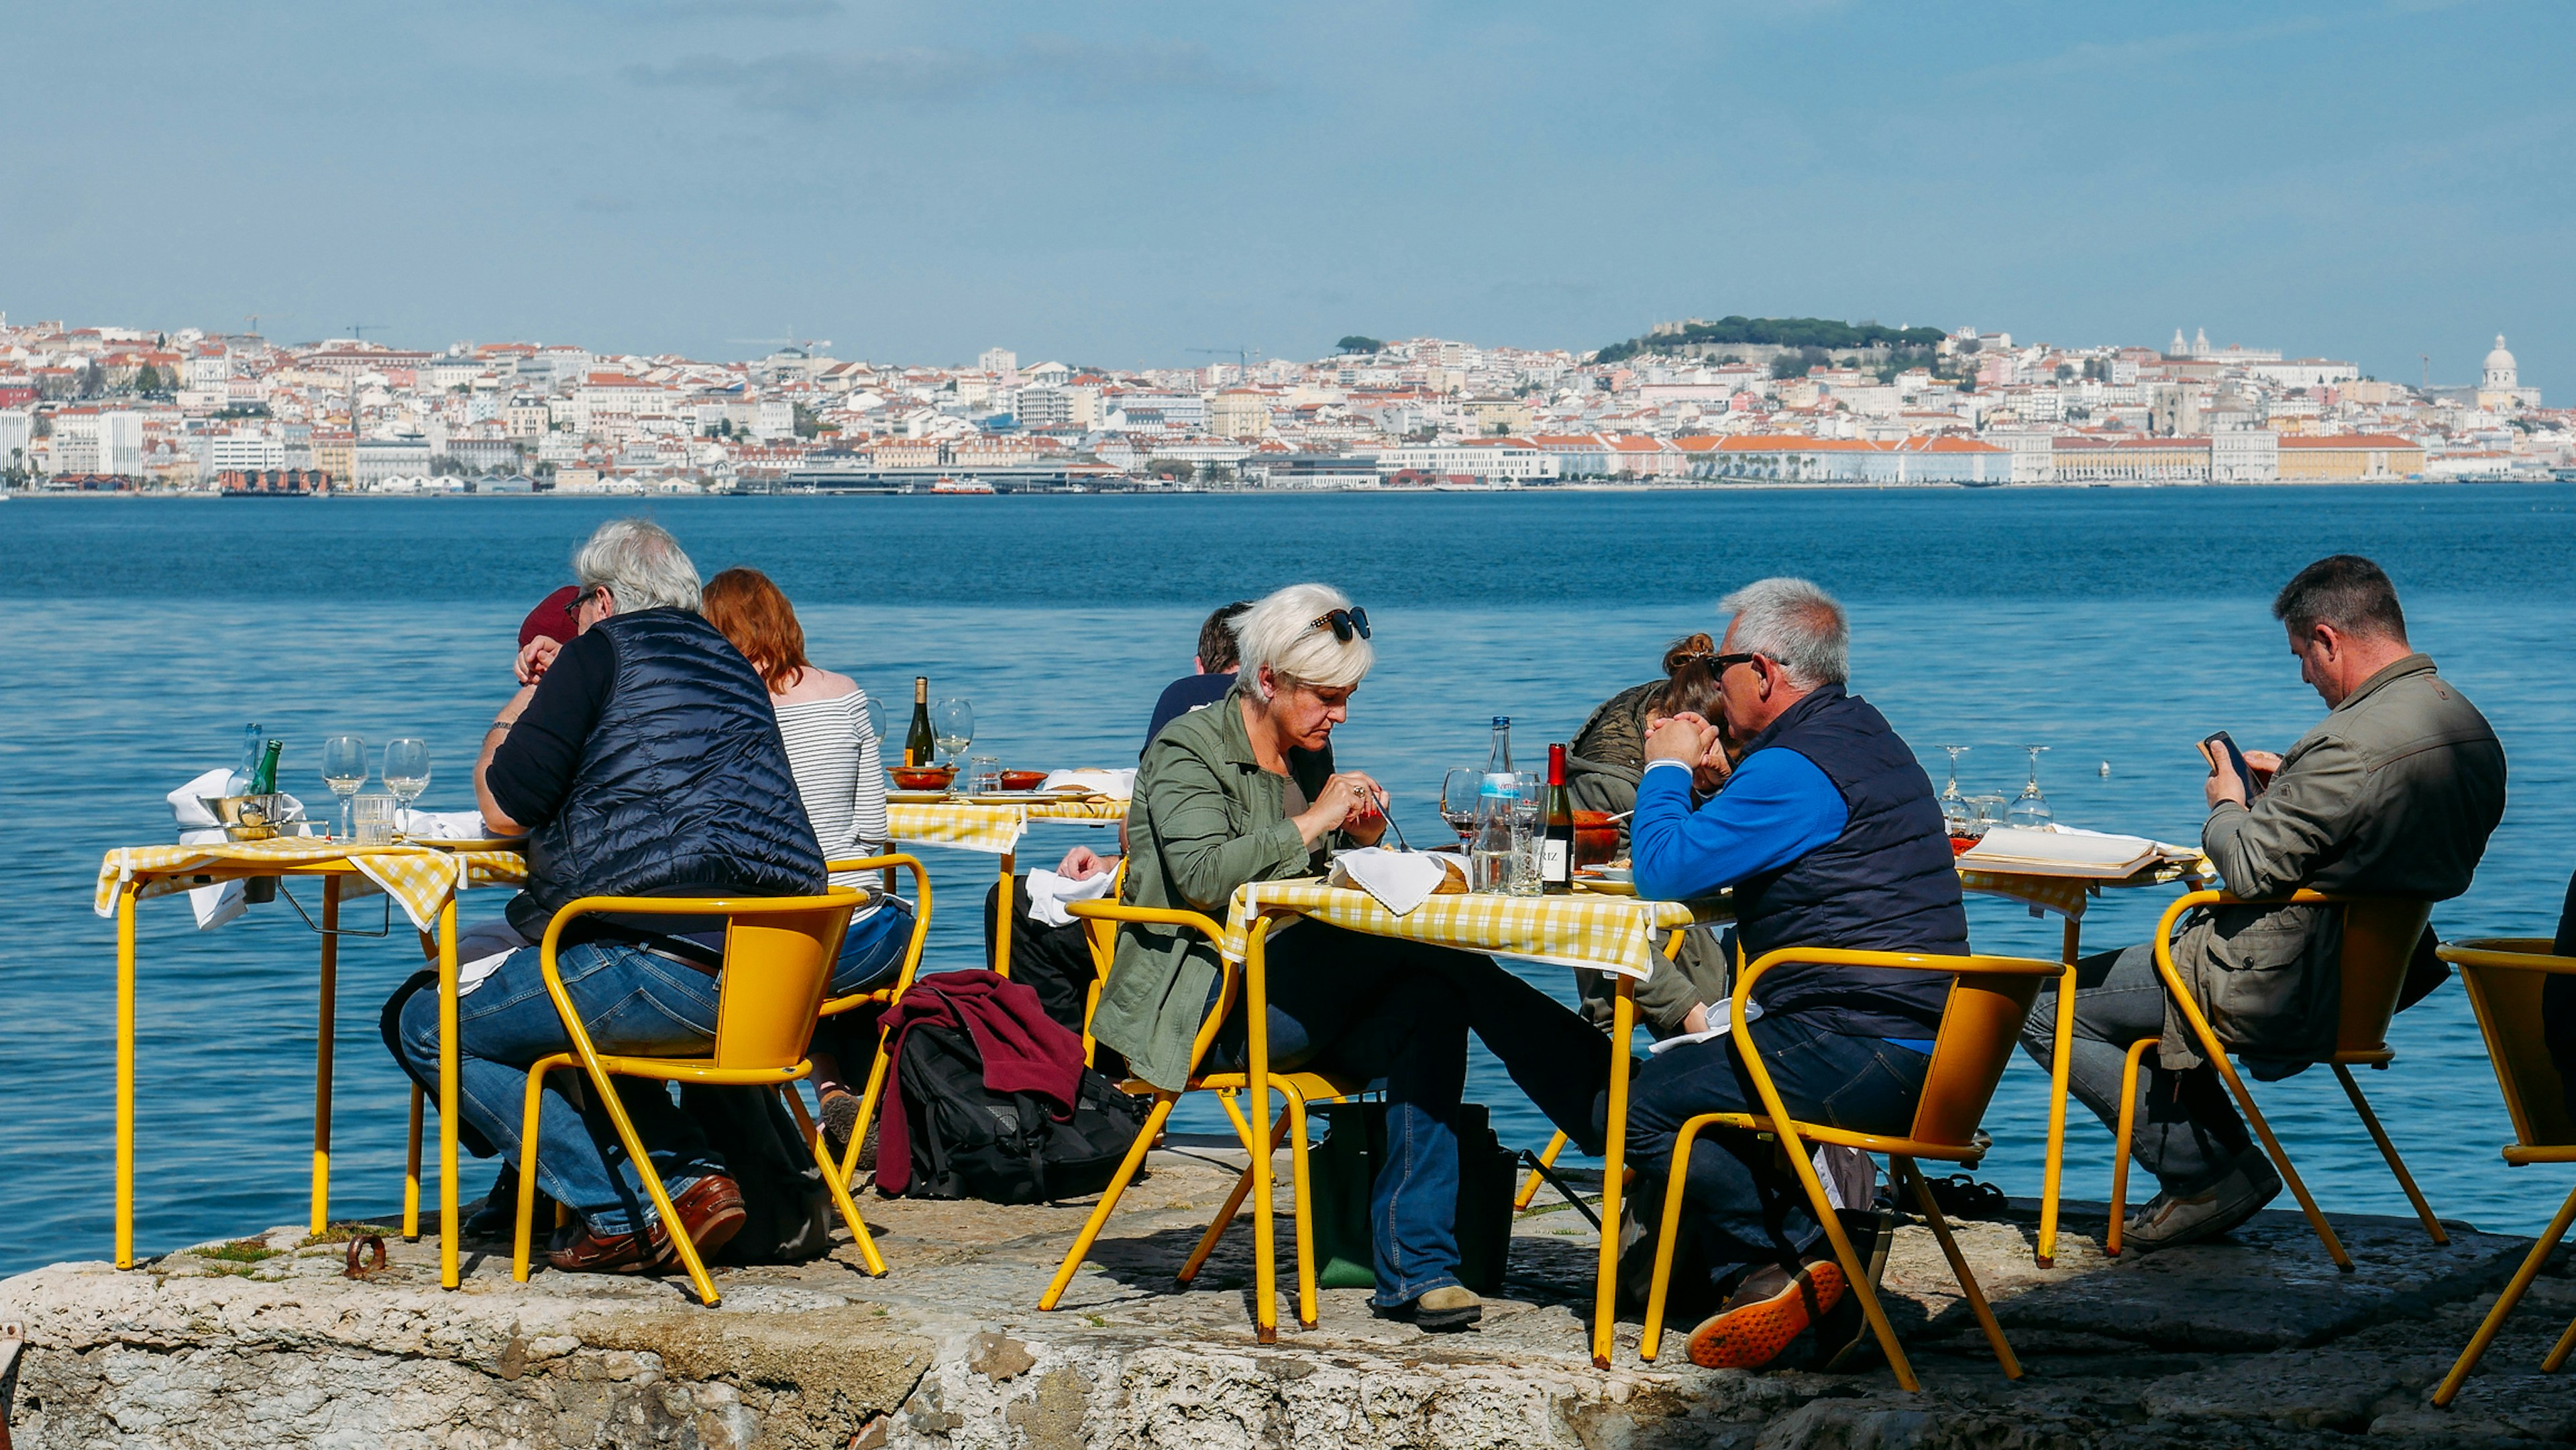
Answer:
(2087, 458)
(373, 461)
(1238, 413)
(1796, 458)
(244, 449)
(120, 444)
(2244, 455)
(17, 430)
(293, 481)
(2349, 458)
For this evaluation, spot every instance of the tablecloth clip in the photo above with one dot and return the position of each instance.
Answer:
(320, 930)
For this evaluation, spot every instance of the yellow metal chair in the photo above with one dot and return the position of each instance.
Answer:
(778, 957)
(1248, 983)
(2504, 977)
(880, 1066)
(1980, 1030)
(2379, 937)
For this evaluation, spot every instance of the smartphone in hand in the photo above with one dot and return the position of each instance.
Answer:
(2223, 755)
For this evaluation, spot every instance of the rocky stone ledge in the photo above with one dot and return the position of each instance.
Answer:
(265, 1341)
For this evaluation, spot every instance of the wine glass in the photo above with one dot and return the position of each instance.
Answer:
(2030, 809)
(877, 718)
(952, 721)
(406, 772)
(1458, 790)
(344, 769)
(1954, 806)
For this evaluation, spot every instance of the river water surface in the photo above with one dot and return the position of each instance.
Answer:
(2114, 626)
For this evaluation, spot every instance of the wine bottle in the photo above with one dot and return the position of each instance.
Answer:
(1556, 848)
(263, 778)
(238, 783)
(919, 746)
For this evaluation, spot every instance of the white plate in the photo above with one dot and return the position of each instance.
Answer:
(1604, 873)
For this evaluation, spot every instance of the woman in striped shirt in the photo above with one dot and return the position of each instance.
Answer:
(823, 717)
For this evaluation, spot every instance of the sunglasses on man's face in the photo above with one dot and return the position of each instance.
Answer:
(1718, 665)
(1345, 623)
(573, 605)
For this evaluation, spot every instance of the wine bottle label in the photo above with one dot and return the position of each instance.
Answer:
(1555, 859)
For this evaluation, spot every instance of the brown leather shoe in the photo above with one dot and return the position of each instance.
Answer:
(574, 1249)
(711, 1211)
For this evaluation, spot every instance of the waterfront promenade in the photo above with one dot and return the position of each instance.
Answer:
(2254, 1341)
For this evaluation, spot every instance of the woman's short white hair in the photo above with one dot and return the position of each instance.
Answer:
(1280, 631)
(640, 563)
(1795, 623)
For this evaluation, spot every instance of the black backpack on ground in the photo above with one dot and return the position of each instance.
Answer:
(971, 1142)
(789, 1211)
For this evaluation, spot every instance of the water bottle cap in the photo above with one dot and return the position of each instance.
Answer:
(1501, 721)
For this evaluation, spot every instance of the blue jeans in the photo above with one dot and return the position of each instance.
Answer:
(630, 1000)
(1369, 1008)
(872, 952)
(1741, 1206)
(2187, 1132)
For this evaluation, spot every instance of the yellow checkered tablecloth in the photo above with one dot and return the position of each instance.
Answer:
(993, 829)
(1601, 933)
(420, 877)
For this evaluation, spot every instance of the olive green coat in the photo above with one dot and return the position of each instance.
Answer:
(1205, 820)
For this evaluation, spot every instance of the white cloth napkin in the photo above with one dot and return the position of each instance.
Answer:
(214, 905)
(1049, 891)
(482, 948)
(448, 826)
(1400, 880)
(1118, 785)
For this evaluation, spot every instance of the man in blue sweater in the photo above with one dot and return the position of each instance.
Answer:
(1830, 835)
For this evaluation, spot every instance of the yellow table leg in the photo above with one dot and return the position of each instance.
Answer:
(447, 1088)
(1614, 1164)
(1002, 914)
(2047, 1247)
(1256, 1021)
(125, 1075)
(329, 1019)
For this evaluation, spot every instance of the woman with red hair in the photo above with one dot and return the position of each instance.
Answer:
(823, 717)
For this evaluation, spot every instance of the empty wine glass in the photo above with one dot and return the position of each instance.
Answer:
(406, 772)
(2030, 808)
(952, 721)
(344, 769)
(1458, 791)
(1954, 806)
(877, 717)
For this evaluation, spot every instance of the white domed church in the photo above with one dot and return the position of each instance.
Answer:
(2500, 387)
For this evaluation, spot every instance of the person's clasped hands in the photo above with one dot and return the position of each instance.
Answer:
(1689, 738)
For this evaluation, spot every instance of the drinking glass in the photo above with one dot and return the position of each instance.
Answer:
(984, 774)
(2030, 808)
(952, 723)
(1954, 806)
(1985, 812)
(344, 769)
(877, 718)
(1458, 791)
(1526, 826)
(373, 817)
(406, 772)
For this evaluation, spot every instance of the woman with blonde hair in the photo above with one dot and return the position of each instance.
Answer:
(823, 718)
(1247, 790)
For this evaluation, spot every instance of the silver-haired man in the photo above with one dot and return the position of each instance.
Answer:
(1830, 835)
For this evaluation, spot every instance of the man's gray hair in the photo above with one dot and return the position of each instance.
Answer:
(640, 563)
(1795, 623)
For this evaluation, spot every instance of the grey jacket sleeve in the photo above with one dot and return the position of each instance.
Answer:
(2312, 804)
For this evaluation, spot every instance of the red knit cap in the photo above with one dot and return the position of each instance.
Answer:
(552, 618)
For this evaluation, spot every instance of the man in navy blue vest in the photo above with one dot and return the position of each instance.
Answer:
(1830, 835)
(642, 758)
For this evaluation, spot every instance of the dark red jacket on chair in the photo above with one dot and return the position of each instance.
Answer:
(1024, 1051)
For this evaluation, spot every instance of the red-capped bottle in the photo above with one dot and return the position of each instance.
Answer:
(1556, 847)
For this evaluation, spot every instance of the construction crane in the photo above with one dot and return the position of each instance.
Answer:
(1242, 356)
(2426, 359)
(359, 330)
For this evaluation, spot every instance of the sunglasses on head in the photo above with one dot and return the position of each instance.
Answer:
(1345, 623)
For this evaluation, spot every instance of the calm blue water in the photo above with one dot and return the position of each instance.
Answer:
(2113, 626)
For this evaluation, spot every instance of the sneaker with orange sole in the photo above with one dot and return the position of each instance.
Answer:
(1768, 1311)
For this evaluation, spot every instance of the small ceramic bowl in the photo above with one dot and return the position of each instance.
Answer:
(922, 777)
(1022, 779)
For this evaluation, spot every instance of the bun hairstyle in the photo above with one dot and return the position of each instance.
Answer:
(1690, 683)
(1686, 649)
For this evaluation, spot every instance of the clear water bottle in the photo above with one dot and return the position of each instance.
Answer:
(1498, 762)
(238, 783)
(1490, 849)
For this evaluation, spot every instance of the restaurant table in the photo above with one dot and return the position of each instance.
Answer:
(1586, 930)
(994, 827)
(422, 877)
(2066, 897)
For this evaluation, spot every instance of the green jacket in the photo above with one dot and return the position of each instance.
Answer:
(1206, 819)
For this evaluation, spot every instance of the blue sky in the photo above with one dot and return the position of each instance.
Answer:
(1118, 185)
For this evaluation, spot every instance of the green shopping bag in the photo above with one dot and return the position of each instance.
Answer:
(1341, 1169)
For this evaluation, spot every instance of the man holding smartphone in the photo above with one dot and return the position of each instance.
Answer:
(2394, 793)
